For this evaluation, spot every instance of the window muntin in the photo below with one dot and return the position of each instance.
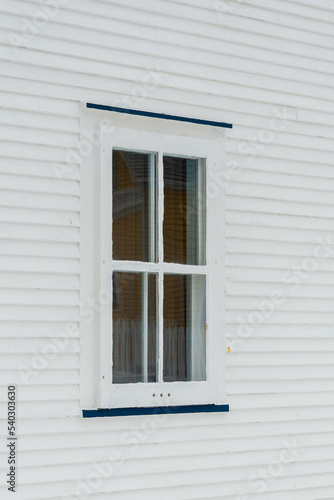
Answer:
(148, 346)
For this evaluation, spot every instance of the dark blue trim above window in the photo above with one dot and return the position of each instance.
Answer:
(158, 115)
(160, 410)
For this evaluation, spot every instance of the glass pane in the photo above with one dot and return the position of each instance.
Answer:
(134, 327)
(184, 331)
(184, 211)
(134, 206)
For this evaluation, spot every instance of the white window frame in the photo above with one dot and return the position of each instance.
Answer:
(150, 135)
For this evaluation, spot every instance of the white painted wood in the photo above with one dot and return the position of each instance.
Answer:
(104, 260)
(160, 293)
(212, 390)
(241, 62)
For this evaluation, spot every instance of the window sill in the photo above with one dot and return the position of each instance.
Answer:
(159, 410)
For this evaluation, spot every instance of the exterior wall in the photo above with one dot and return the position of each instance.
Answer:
(268, 70)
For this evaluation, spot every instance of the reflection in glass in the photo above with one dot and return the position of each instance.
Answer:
(134, 327)
(134, 206)
(184, 211)
(184, 330)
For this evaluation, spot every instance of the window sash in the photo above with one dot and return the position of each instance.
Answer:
(162, 269)
(173, 393)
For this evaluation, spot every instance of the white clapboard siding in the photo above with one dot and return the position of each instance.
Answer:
(244, 62)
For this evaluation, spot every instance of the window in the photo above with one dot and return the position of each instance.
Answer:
(159, 234)
(159, 331)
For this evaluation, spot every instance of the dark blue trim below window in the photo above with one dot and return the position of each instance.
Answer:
(160, 410)
(158, 115)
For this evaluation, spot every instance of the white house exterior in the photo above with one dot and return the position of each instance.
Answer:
(267, 69)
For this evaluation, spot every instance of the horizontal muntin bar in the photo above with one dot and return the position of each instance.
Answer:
(134, 266)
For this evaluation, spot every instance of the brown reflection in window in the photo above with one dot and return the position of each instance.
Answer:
(184, 329)
(184, 209)
(133, 233)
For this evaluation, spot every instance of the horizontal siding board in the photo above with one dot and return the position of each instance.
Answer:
(272, 344)
(128, 46)
(31, 184)
(292, 399)
(40, 265)
(67, 235)
(44, 377)
(172, 74)
(321, 11)
(38, 104)
(193, 436)
(13, 246)
(262, 11)
(218, 484)
(322, 4)
(36, 345)
(34, 152)
(288, 304)
(280, 235)
(267, 416)
(33, 168)
(279, 330)
(256, 115)
(191, 494)
(188, 17)
(278, 151)
(39, 328)
(49, 409)
(249, 277)
(267, 178)
(276, 247)
(31, 394)
(231, 429)
(42, 201)
(18, 280)
(39, 297)
(276, 262)
(147, 451)
(31, 216)
(183, 105)
(31, 361)
(29, 312)
(279, 192)
(287, 137)
(271, 205)
(281, 358)
(279, 387)
(124, 38)
(19, 118)
(277, 221)
(168, 467)
(108, 11)
(275, 374)
(247, 66)
(38, 135)
(289, 166)
(260, 291)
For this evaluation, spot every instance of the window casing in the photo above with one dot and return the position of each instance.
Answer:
(177, 293)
